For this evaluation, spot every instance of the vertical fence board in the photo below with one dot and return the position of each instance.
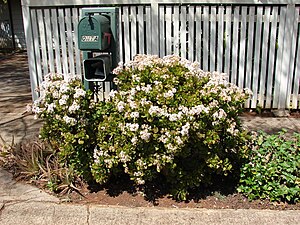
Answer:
(133, 29)
(198, 34)
(75, 19)
(234, 55)
(42, 35)
(148, 30)
(107, 89)
(62, 34)
(168, 30)
(162, 51)
(295, 99)
(256, 55)
(293, 25)
(183, 32)
(205, 30)
(140, 20)
(49, 40)
(126, 31)
(241, 72)
(264, 59)
(154, 26)
(227, 40)
(249, 52)
(213, 37)
(191, 33)
(70, 44)
(220, 39)
(56, 40)
(278, 81)
(176, 42)
(271, 57)
(121, 36)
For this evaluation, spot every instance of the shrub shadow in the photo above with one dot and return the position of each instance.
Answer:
(115, 186)
(224, 185)
(158, 188)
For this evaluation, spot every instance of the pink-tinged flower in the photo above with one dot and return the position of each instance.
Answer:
(221, 114)
(134, 140)
(50, 108)
(134, 115)
(62, 101)
(112, 93)
(64, 88)
(248, 91)
(156, 111)
(69, 120)
(145, 135)
(132, 104)
(79, 92)
(169, 94)
(74, 107)
(132, 126)
(185, 129)
(121, 106)
(175, 117)
(147, 88)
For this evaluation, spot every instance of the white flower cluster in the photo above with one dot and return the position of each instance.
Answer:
(156, 111)
(118, 69)
(145, 132)
(133, 126)
(69, 120)
(185, 129)
(134, 115)
(170, 93)
(121, 106)
(74, 107)
(60, 98)
(219, 115)
(79, 92)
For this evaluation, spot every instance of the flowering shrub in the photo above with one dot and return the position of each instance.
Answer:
(69, 119)
(171, 119)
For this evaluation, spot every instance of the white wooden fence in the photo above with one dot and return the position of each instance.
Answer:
(257, 43)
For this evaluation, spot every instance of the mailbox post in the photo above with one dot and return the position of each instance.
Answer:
(97, 38)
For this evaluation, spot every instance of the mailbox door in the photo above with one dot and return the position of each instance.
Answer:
(91, 32)
(98, 68)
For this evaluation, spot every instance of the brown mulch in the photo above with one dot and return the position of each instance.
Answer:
(213, 201)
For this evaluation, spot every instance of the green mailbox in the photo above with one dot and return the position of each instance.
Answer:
(98, 41)
(94, 32)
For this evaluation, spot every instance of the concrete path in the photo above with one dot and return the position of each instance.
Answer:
(23, 204)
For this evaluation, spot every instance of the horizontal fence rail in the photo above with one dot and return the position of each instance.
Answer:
(257, 45)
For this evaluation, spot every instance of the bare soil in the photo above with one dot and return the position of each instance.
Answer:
(215, 200)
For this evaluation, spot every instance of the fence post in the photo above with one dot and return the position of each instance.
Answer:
(30, 50)
(286, 63)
